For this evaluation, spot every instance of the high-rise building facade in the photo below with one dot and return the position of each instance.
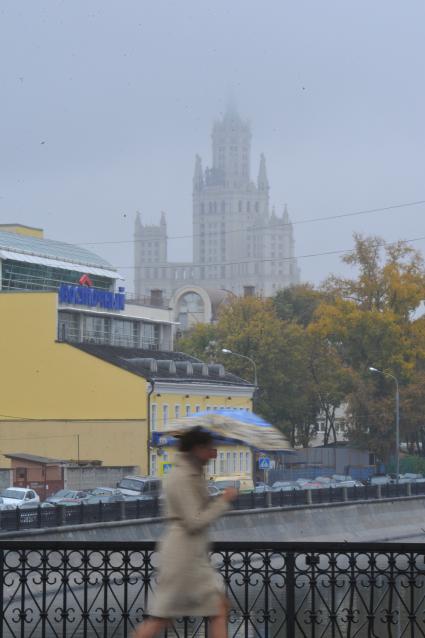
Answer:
(238, 244)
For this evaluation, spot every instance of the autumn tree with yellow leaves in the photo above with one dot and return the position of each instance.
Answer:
(313, 348)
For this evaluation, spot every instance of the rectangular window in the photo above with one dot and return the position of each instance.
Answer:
(197, 408)
(228, 460)
(241, 459)
(177, 411)
(222, 465)
(188, 410)
(235, 462)
(123, 333)
(247, 462)
(154, 416)
(164, 415)
(96, 329)
(208, 408)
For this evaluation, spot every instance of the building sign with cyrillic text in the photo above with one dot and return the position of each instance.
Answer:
(91, 297)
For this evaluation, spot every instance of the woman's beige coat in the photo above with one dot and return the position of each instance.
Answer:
(188, 585)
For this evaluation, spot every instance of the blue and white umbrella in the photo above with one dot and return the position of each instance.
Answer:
(234, 425)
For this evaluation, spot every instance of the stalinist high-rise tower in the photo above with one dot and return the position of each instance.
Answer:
(238, 244)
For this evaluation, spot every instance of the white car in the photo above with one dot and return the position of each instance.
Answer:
(18, 496)
(348, 483)
(285, 486)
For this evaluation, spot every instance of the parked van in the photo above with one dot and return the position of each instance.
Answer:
(241, 483)
(144, 487)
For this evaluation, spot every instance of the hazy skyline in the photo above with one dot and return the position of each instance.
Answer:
(105, 104)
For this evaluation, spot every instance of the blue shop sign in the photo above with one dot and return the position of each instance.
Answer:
(92, 297)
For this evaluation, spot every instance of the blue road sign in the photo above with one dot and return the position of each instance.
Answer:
(264, 463)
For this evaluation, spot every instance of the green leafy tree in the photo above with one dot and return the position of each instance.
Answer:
(298, 303)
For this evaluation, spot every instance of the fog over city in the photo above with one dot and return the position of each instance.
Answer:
(105, 104)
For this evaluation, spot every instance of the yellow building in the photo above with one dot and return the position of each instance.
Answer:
(83, 400)
(87, 376)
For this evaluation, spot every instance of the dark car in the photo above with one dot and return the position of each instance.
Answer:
(114, 497)
(144, 487)
(75, 496)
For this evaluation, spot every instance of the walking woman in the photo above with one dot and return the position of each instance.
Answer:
(188, 585)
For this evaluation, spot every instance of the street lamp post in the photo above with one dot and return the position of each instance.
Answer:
(397, 416)
(243, 356)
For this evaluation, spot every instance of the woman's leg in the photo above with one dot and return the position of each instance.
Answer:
(218, 624)
(150, 628)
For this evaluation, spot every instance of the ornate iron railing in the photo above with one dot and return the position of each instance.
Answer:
(275, 590)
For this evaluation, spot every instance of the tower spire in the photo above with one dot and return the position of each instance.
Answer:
(262, 181)
(137, 223)
(198, 178)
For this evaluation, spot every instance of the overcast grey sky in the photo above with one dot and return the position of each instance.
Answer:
(105, 103)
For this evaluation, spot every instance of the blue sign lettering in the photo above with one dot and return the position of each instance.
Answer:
(93, 297)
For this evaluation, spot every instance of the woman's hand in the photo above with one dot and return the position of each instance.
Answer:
(230, 494)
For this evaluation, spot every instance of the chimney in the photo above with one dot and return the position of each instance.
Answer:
(157, 297)
(248, 291)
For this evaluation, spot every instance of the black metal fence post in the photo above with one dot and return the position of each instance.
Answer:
(290, 594)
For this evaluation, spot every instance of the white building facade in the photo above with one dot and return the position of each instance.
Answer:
(238, 244)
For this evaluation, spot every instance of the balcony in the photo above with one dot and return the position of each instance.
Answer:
(275, 590)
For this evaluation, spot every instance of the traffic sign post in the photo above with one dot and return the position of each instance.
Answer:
(264, 464)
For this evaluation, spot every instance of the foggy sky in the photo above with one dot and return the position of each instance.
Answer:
(104, 105)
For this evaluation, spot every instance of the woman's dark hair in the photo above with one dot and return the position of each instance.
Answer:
(194, 437)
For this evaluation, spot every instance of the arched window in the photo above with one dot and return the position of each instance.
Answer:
(190, 310)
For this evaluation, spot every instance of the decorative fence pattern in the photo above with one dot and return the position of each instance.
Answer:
(275, 590)
(11, 520)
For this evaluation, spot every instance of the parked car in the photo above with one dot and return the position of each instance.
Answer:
(350, 483)
(241, 483)
(380, 480)
(325, 480)
(114, 497)
(313, 485)
(67, 495)
(285, 486)
(103, 491)
(146, 487)
(415, 478)
(17, 496)
(35, 506)
(260, 488)
(301, 482)
(341, 477)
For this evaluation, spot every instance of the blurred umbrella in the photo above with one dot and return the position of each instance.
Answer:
(235, 425)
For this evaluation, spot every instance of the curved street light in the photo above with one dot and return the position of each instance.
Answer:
(397, 416)
(244, 356)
